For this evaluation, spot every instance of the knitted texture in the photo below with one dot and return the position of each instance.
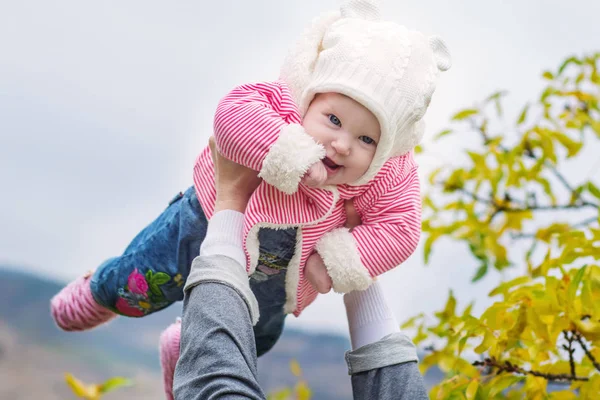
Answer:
(74, 307)
(389, 69)
(169, 354)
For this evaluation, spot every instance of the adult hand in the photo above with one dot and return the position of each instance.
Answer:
(234, 183)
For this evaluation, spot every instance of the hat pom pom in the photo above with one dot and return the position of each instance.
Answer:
(364, 9)
(440, 53)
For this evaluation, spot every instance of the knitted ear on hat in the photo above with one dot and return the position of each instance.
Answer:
(364, 9)
(299, 63)
(440, 53)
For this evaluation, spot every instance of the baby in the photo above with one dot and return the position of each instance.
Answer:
(340, 124)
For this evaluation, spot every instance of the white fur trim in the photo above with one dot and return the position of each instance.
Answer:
(292, 277)
(289, 158)
(340, 255)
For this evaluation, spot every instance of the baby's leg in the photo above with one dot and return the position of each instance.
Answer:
(150, 274)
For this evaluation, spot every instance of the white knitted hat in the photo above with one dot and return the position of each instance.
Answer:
(384, 66)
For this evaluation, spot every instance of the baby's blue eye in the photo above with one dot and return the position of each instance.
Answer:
(367, 140)
(335, 120)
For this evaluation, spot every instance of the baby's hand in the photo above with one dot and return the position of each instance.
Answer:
(316, 175)
(316, 273)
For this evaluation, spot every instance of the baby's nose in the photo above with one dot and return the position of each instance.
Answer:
(341, 146)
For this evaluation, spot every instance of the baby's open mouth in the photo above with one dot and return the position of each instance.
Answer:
(330, 164)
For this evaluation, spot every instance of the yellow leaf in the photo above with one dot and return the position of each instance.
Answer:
(302, 391)
(563, 395)
(465, 114)
(520, 325)
(502, 382)
(488, 341)
(443, 133)
(505, 287)
(82, 390)
(569, 144)
(589, 329)
(450, 309)
(594, 190)
(114, 383)
(540, 329)
(472, 389)
(295, 368)
(523, 115)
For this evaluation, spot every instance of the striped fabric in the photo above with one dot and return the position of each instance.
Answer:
(247, 123)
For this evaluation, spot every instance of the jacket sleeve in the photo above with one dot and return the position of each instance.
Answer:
(257, 125)
(389, 234)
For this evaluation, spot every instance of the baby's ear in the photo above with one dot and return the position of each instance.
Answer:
(440, 53)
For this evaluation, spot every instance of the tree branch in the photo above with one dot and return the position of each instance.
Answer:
(589, 355)
(570, 339)
(501, 208)
(581, 224)
(507, 366)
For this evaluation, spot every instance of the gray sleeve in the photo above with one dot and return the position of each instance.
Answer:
(386, 369)
(218, 351)
(399, 382)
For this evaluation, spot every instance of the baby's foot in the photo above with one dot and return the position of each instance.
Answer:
(169, 354)
(74, 307)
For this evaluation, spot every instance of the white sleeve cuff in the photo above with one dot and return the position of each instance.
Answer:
(224, 236)
(342, 260)
(289, 158)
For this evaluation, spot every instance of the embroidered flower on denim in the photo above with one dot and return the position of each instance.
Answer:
(142, 294)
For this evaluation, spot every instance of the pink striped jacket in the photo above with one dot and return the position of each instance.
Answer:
(258, 125)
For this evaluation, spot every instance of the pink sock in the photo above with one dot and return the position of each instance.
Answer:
(169, 354)
(74, 307)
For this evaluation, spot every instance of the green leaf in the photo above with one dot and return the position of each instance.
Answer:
(411, 322)
(567, 62)
(502, 382)
(464, 114)
(443, 133)
(496, 95)
(115, 383)
(450, 309)
(149, 275)
(593, 189)
(574, 285)
(462, 343)
(160, 278)
(471, 391)
(481, 271)
(433, 236)
(548, 75)
(506, 286)
(155, 289)
(523, 115)
(569, 144)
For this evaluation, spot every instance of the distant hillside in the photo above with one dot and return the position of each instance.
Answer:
(129, 347)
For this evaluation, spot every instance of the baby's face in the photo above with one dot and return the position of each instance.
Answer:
(348, 131)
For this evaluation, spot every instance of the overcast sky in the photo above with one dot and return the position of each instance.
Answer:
(104, 107)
